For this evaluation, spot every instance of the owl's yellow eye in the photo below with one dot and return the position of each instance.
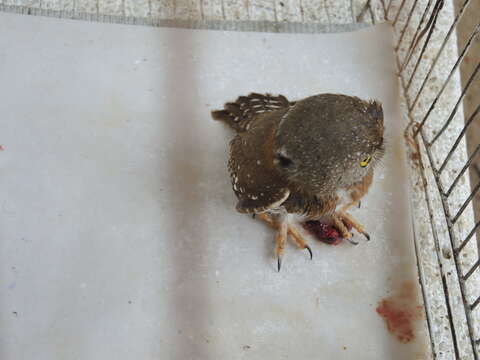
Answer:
(365, 161)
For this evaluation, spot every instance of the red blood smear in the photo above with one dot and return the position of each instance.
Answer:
(2, 148)
(323, 232)
(400, 313)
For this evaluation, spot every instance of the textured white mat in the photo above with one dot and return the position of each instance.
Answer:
(118, 233)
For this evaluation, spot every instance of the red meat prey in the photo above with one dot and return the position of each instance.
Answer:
(324, 232)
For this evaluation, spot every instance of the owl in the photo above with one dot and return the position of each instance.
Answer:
(303, 162)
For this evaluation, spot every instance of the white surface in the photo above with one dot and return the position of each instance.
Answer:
(118, 233)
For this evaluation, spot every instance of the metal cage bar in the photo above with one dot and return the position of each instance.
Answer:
(409, 74)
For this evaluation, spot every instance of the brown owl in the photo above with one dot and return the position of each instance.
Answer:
(303, 161)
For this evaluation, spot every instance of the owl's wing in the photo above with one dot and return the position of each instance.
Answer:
(251, 206)
(255, 182)
(240, 114)
(258, 195)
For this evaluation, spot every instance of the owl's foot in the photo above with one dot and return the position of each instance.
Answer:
(342, 226)
(284, 228)
(343, 220)
(280, 240)
(299, 240)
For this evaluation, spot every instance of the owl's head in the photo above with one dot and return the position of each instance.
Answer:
(329, 141)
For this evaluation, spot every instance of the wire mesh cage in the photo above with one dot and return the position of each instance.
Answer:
(437, 50)
(440, 119)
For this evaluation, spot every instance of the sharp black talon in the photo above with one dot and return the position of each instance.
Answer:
(366, 235)
(310, 251)
(253, 216)
(279, 263)
(353, 242)
(359, 204)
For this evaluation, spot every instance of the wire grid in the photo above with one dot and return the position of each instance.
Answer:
(303, 11)
(245, 15)
(428, 62)
(428, 67)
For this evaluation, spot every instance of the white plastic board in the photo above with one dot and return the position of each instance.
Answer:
(118, 234)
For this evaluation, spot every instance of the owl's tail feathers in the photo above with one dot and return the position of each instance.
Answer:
(240, 114)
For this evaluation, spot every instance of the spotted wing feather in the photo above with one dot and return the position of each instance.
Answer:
(256, 187)
(255, 180)
(240, 114)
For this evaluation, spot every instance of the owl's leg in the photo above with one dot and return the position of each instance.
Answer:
(280, 240)
(339, 223)
(292, 231)
(267, 218)
(299, 240)
(280, 223)
(284, 228)
(345, 208)
(349, 219)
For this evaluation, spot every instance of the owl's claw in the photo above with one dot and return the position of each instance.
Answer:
(366, 235)
(351, 241)
(299, 240)
(310, 251)
(343, 227)
(345, 219)
(283, 229)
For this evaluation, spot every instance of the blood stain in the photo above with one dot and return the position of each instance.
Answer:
(400, 312)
